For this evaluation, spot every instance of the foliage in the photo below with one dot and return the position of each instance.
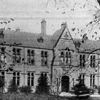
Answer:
(99, 90)
(80, 89)
(2, 82)
(25, 89)
(12, 86)
(42, 87)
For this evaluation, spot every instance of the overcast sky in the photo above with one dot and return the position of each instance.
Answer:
(27, 14)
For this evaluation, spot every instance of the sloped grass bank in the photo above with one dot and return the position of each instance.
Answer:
(22, 96)
(17, 96)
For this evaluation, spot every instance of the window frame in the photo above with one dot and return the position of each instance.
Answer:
(92, 80)
(30, 78)
(65, 57)
(92, 61)
(30, 57)
(82, 60)
(16, 52)
(16, 78)
(44, 58)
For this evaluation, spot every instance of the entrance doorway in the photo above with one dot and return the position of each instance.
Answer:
(65, 83)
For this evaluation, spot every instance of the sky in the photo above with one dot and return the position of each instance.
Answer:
(27, 15)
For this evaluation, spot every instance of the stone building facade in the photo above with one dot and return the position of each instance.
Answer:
(62, 58)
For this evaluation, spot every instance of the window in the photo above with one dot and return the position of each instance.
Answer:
(62, 57)
(16, 78)
(65, 57)
(16, 55)
(68, 58)
(82, 78)
(30, 78)
(30, 57)
(92, 80)
(82, 60)
(3, 50)
(44, 58)
(3, 75)
(92, 60)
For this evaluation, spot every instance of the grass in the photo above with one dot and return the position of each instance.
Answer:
(32, 96)
(22, 96)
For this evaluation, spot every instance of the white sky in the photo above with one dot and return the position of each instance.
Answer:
(27, 14)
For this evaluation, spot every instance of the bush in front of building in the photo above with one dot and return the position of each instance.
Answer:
(25, 89)
(99, 90)
(2, 83)
(12, 86)
(42, 87)
(80, 90)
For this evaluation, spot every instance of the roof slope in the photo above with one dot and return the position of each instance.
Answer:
(30, 39)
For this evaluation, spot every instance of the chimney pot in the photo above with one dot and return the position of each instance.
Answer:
(43, 27)
(63, 25)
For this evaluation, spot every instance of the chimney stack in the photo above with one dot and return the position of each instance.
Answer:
(43, 27)
(63, 25)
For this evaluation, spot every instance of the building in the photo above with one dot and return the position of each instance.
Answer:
(75, 58)
(60, 57)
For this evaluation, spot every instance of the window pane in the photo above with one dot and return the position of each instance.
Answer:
(28, 83)
(62, 54)
(46, 54)
(14, 74)
(18, 80)
(32, 74)
(18, 73)
(32, 52)
(32, 82)
(42, 54)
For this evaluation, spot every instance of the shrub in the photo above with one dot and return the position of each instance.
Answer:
(81, 89)
(99, 89)
(42, 87)
(2, 83)
(25, 89)
(12, 86)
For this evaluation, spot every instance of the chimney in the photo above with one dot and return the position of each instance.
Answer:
(43, 27)
(63, 25)
(1, 33)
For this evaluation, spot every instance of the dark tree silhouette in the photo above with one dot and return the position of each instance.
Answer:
(80, 89)
(1, 82)
(12, 86)
(42, 87)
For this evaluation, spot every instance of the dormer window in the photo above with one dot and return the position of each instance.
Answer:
(40, 40)
(65, 57)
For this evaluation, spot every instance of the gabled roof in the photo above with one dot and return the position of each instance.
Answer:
(88, 45)
(30, 39)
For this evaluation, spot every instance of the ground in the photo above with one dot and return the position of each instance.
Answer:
(17, 96)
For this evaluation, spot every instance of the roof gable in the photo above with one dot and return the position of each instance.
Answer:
(65, 40)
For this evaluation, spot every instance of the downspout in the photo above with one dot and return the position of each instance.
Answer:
(53, 59)
(52, 65)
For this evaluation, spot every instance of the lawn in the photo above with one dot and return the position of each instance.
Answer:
(17, 96)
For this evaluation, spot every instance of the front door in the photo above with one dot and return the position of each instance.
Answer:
(65, 83)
